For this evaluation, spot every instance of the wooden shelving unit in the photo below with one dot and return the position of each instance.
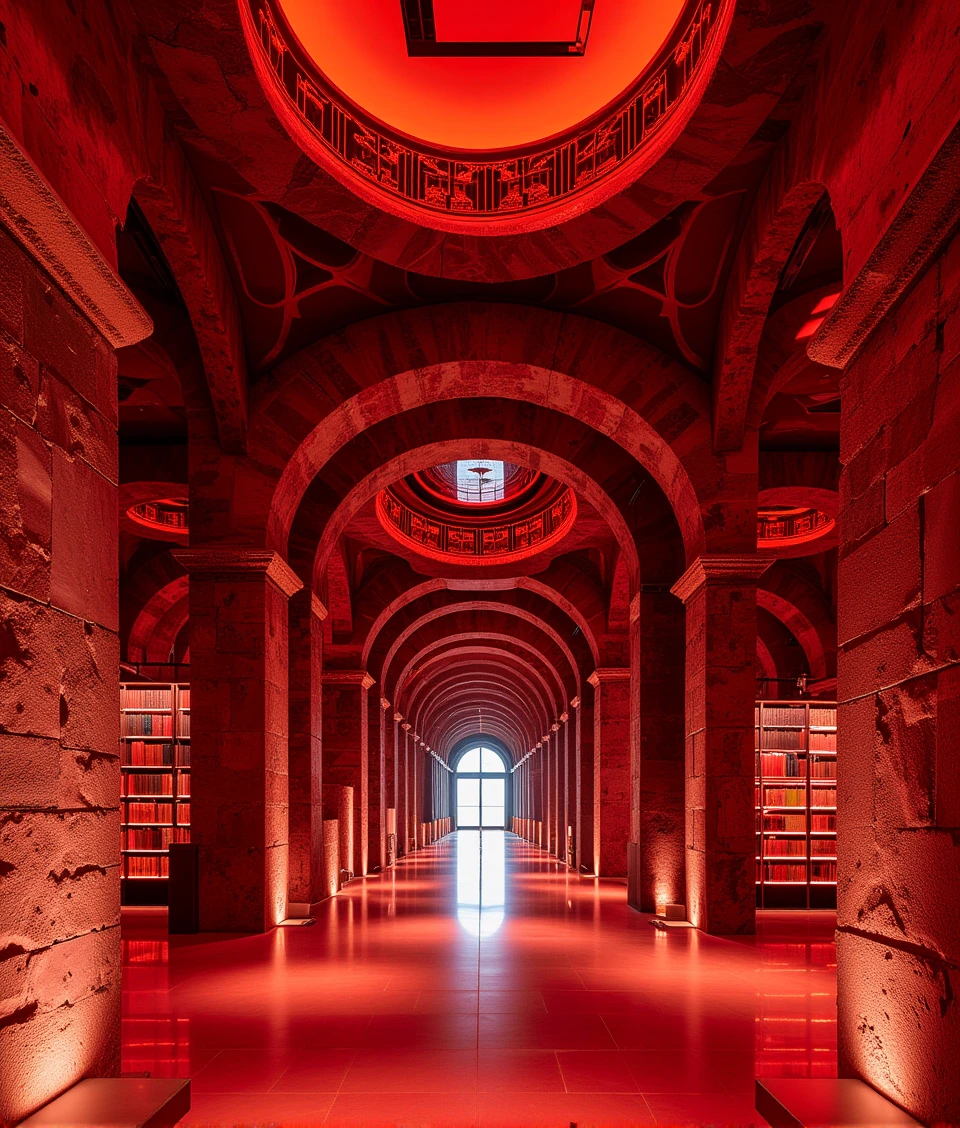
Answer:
(796, 804)
(154, 785)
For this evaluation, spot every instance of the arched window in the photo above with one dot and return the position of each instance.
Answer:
(481, 788)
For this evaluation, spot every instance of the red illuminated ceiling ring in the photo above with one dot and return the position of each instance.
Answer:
(477, 543)
(456, 190)
(787, 526)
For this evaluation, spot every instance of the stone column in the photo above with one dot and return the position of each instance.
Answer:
(658, 822)
(412, 809)
(611, 769)
(547, 783)
(345, 749)
(564, 783)
(400, 759)
(307, 867)
(238, 688)
(586, 857)
(63, 311)
(556, 787)
(720, 594)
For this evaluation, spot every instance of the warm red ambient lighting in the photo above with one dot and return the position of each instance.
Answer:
(170, 514)
(480, 103)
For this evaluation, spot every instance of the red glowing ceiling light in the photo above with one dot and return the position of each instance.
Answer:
(171, 514)
(809, 328)
(497, 28)
(822, 307)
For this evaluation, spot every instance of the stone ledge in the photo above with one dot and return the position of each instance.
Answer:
(827, 1102)
(116, 1102)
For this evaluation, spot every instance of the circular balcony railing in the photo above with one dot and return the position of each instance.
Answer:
(170, 513)
(784, 525)
(477, 542)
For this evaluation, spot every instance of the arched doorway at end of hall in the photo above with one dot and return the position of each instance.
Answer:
(480, 787)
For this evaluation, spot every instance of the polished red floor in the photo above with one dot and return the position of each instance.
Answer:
(479, 988)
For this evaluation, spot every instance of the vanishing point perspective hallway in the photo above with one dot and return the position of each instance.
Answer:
(479, 982)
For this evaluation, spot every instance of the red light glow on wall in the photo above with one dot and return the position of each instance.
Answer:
(817, 317)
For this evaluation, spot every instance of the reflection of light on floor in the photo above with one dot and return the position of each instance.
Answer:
(480, 881)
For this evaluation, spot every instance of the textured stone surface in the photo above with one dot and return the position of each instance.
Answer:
(59, 670)
(899, 789)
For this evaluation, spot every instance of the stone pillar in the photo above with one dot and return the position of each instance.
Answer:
(345, 749)
(586, 857)
(611, 769)
(400, 761)
(720, 594)
(307, 866)
(238, 697)
(547, 783)
(412, 809)
(898, 675)
(556, 788)
(59, 655)
(658, 822)
(565, 745)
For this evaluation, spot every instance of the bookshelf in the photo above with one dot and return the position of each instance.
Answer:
(796, 804)
(154, 785)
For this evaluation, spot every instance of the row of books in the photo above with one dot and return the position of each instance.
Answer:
(153, 838)
(184, 729)
(147, 724)
(782, 738)
(823, 715)
(782, 714)
(823, 742)
(156, 813)
(140, 754)
(136, 698)
(146, 783)
(823, 769)
(157, 865)
(819, 824)
(785, 847)
(823, 871)
(782, 871)
(782, 796)
(825, 847)
(780, 764)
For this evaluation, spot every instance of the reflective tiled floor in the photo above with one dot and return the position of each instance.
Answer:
(479, 986)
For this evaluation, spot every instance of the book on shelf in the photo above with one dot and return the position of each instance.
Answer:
(135, 697)
(783, 715)
(784, 847)
(184, 697)
(147, 724)
(147, 783)
(156, 865)
(153, 838)
(823, 769)
(784, 796)
(780, 764)
(795, 823)
(183, 725)
(149, 812)
(785, 871)
(782, 738)
(183, 814)
(823, 871)
(823, 797)
(823, 824)
(823, 715)
(823, 742)
(824, 847)
(141, 754)
(183, 785)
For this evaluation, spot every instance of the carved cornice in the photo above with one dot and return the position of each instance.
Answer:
(608, 674)
(317, 608)
(384, 704)
(406, 726)
(41, 223)
(575, 703)
(239, 564)
(725, 569)
(555, 727)
(358, 678)
(926, 219)
(564, 717)
(398, 717)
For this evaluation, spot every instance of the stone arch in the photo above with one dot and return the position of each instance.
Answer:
(317, 401)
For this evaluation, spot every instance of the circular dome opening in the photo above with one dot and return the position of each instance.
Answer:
(785, 525)
(169, 514)
(485, 101)
(477, 511)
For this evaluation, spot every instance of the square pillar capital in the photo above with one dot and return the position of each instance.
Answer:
(709, 571)
(359, 678)
(232, 562)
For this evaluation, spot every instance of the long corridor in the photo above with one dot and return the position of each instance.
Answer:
(479, 982)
